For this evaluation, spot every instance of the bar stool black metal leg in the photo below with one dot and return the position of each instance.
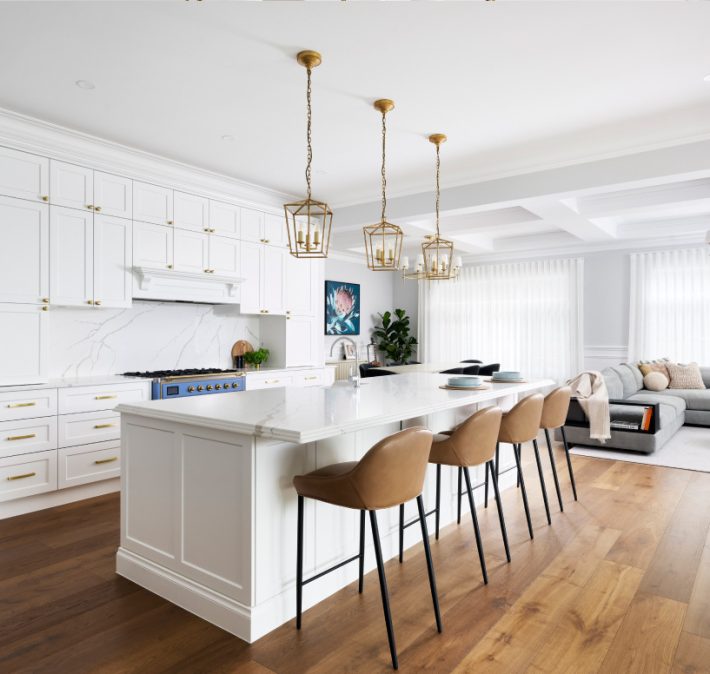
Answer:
(383, 588)
(501, 518)
(361, 561)
(485, 498)
(569, 462)
(401, 532)
(477, 531)
(554, 470)
(438, 499)
(518, 449)
(429, 563)
(523, 490)
(299, 564)
(458, 499)
(542, 480)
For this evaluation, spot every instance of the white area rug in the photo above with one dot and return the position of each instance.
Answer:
(689, 448)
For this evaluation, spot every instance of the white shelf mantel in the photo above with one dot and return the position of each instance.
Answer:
(146, 276)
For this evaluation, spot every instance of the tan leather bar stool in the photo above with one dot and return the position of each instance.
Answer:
(520, 425)
(554, 415)
(472, 443)
(391, 473)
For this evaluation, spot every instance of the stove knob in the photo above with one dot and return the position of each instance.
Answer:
(235, 385)
(200, 388)
(190, 389)
(209, 387)
(218, 387)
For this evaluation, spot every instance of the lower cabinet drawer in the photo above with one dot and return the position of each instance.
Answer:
(28, 404)
(308, 379)
(272, 381)
(28, 435)
(81, 429)
(79, 465)
(27, 475)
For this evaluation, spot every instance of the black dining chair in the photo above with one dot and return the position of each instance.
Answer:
(472, 360)
(368, 370)
(487, 370)
(453, 370)
(471, 369)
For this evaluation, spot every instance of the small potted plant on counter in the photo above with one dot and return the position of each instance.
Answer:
(256, 358)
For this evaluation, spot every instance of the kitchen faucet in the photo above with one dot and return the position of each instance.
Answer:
(355, 379)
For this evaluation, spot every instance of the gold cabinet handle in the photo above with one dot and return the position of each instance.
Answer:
(45, 300)
(98, 462)
(106, 397)
(22, 437)
(97, 303)
(310, 378)
(89, 301)
(266, 240)
(90, 207)
(45, 308)
(170, 266)
(212, 230)
(21, 477)
(170, 222)
(206, 229)
(97, 209)
(45, 198)
(14, 405)
(272, 381)
(104, 425)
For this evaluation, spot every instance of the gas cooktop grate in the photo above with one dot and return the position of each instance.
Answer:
(156, 374)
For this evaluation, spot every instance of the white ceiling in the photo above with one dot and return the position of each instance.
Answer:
(517, 87)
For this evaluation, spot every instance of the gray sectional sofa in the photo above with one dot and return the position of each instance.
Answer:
(673, 407)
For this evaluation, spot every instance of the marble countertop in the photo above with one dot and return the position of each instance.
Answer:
(308, 414)
(69, 382)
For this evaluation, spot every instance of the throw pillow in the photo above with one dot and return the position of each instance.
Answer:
(655, 381)
(685, 376)
(647, 368)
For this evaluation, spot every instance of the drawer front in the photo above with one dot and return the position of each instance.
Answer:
(88, 427)
(28, 435)
(28, 404)
(81, 465)
(272, 381)
(92, 398)
(308, 379)
(28, 475)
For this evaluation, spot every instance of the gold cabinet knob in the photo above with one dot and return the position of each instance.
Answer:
(45, 308)
(45, 198)
(97, 302)
(209, 387)
(207, 271)
(89, 301)
(97, 209)
(170, 222)
(170, 266)
(200, 388)
(266, 240)
(90, 207)
(206, 229)
(45, 300)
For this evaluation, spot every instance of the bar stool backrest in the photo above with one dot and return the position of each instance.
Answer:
(555, 407)
(393, 471)
(474, 441)
(523, 421)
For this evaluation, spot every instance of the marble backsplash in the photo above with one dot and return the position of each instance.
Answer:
(148, 336)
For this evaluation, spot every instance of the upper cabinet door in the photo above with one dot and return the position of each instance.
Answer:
(190, 251)
(113, 195)
(275, 230)
(225, 255)
(71, 186)
(299, 287)
(23, 175)
(251, 267)
(23, 344)
(24, 251)
(152, 245)
(190, 211)
(272, 280)
(225, 219)
(112, 262)
(71, 256)
(152, 204)
(252, 225)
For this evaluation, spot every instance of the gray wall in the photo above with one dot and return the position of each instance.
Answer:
(606, 298)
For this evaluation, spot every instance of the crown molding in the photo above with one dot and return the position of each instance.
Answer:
(37, 136)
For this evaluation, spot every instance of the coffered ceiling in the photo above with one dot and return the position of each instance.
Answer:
(519, 88)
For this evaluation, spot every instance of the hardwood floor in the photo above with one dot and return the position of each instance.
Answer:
(619, 583)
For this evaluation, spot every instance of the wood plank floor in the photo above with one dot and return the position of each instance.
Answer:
(619, 583)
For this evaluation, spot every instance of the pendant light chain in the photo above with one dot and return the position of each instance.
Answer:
(309, 155)
(438, 164)
(384, 177)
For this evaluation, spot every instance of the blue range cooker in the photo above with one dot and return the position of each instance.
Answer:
(181, 383)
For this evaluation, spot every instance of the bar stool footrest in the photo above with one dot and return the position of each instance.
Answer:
(332, 568)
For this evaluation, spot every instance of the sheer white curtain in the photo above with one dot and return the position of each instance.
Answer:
(526, 316)
(670, 305)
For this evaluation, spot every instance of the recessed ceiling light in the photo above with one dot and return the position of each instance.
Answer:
(85, 84)
(228, 137)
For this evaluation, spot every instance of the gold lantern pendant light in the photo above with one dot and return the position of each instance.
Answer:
(308, 222)
(438, 253)
(383, 241)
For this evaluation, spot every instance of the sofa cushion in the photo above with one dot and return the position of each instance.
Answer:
(655, 381)
(685, 376)
(638, 375)
(614, 387)
(628, 379)
(705, 373)
(695, 399)
(674, 401)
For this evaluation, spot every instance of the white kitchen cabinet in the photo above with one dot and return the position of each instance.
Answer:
(87, 427)
(152, 245)
(88, 463)
(272, 280)
(24, 251)
(152, 203)
(190, 251)
(23, 344)
(113, 195)
(252, 262)
(190, 211)
(224, 255)
(28, 404)
(275, 230)
(24, 436)
(23, 175)
(112, 262)
(73, 399)
(27, 475)
(301, 293)
(71, 186)
(300, 341)
(225, 219)
(71, 256)
(252, 225)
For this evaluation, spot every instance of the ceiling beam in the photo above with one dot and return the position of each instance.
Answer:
(566, 218)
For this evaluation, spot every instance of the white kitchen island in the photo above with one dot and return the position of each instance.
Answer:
(208, 511)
